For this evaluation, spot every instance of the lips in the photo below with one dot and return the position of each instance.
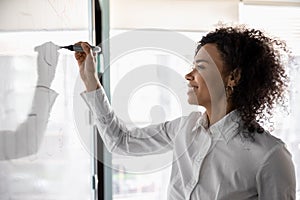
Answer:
(192, 88)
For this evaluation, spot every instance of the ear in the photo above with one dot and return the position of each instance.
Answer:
(234, 77)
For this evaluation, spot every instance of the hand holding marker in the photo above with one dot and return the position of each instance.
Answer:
(78, 48)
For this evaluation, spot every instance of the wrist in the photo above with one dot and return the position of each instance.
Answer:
(92, 87)
(92, 84)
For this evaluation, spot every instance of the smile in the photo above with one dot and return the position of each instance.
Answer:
(191, 89)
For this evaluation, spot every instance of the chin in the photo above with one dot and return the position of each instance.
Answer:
(192, 101)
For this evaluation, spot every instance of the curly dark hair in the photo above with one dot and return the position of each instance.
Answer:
(263, 78)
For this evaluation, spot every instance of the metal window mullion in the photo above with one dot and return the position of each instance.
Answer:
(103, 164)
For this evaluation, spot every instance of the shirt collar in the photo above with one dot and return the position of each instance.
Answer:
(201, 121)
(226, 127)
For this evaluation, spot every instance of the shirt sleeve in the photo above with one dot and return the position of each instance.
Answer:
(153, 139)
(276, 177)
(27, 137)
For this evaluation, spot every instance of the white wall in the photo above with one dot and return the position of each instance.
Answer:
(172, 14)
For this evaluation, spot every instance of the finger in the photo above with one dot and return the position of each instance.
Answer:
(78, 54)
(78, 43)
(80, 57)
(86, 48)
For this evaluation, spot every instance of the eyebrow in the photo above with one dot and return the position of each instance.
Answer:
(200, 60)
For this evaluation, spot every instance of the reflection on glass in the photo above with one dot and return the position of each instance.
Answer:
(49, 161)
(49, 174)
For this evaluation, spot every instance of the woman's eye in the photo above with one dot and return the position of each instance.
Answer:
(200, 66)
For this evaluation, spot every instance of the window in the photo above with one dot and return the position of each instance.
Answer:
(283, 22)
(147, 87)
(61, 169)
(129, 179)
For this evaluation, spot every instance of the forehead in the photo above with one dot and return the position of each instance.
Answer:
(210, 53)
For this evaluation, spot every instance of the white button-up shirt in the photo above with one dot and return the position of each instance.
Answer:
(209, 163)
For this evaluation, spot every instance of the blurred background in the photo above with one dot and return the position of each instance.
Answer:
(63, 167)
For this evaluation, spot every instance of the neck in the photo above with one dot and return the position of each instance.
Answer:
(217, 112)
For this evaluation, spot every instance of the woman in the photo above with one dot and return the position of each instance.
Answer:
(224, 153)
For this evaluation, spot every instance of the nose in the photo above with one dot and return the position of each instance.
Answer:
(189, 76)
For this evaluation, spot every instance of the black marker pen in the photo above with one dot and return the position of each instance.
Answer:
(78, 48)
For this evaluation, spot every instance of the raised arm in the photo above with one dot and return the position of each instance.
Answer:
(27, 137)
(153, 139)
(116, 136)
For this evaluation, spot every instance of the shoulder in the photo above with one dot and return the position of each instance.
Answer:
(271, 150)
(266, 141)
(270, 144)
(261, 142)
(263, 145)
(276, 168)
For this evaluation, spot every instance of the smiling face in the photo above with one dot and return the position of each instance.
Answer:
(206, 80)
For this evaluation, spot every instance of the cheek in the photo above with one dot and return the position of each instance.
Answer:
(212, 83)
(203, 92)
(202, 86)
